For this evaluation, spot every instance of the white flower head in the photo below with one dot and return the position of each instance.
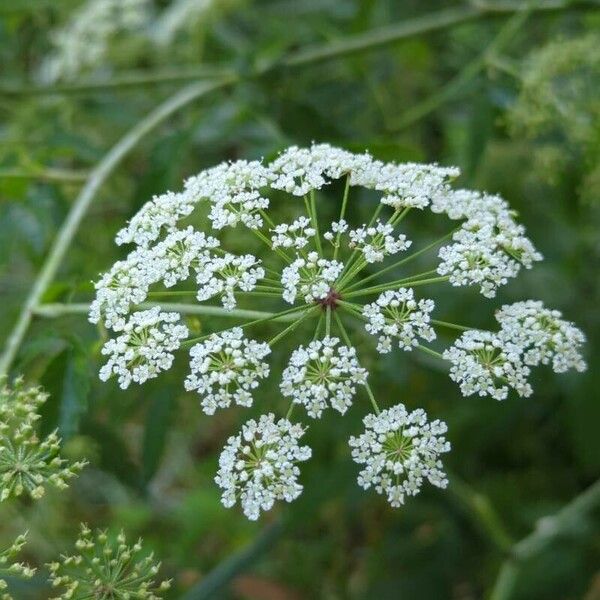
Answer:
(144, 348)
(311, 277)
(222, 275)
(377, 241)
(323, 374)
(181, 251)
(295, 235)
(489, 248)
(485, 364)
(159, 214)
(397, 315)
(226, 368)
(400, 450)
(236, 196)
(404, 185)
(542, 335)
(125, 285)
(260, 465)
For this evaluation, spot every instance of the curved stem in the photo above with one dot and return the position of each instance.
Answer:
(547, 530)
(87, 194)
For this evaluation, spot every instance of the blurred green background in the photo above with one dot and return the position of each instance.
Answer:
(511, 96)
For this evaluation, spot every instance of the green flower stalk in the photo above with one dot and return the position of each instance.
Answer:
(29, 464)
(104, 569)
(12, 569)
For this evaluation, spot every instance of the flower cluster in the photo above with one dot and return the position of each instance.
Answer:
(222, 275)
(226, 368)
(29, 464)
(84, 41)
(485, 364)
(377, 241)
(542, 336)
(489, 248)
(400, 449)
(259, 465)
(295, 235)
(311, 277)
(323, 374)
(106, 569)
(489, 363)
(144, 348)
(9, 568)
(397, 315)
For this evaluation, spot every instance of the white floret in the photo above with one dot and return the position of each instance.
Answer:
(323, 374)
(260, 465)
(144, 348)
(399, 451)
(311, 277)
(396, 315)
(226, 368)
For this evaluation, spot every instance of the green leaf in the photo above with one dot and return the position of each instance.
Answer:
(158, 421)
(67, 380)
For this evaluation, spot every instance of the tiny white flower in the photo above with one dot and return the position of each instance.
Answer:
(399, 451)
(260, 465)
(323, 374)
(144, 348)
(397, 315)
(226, 368)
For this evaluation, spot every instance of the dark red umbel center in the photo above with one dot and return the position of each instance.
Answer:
(331, 300)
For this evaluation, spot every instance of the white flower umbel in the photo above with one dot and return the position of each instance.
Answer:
(400, 450)
(323, 374)
(404, 185)
(181, 251)
(295, 235)
(485, 364)
(311, 277)
(222, 275)
(144, 348)
(260, 465)
(320, 268)
(83, 44)
(226, 368)
(235, 195)
(397, 315)
(490, 248)
(159, 214)
(377, 241)
(542, 335)
(126, 284)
